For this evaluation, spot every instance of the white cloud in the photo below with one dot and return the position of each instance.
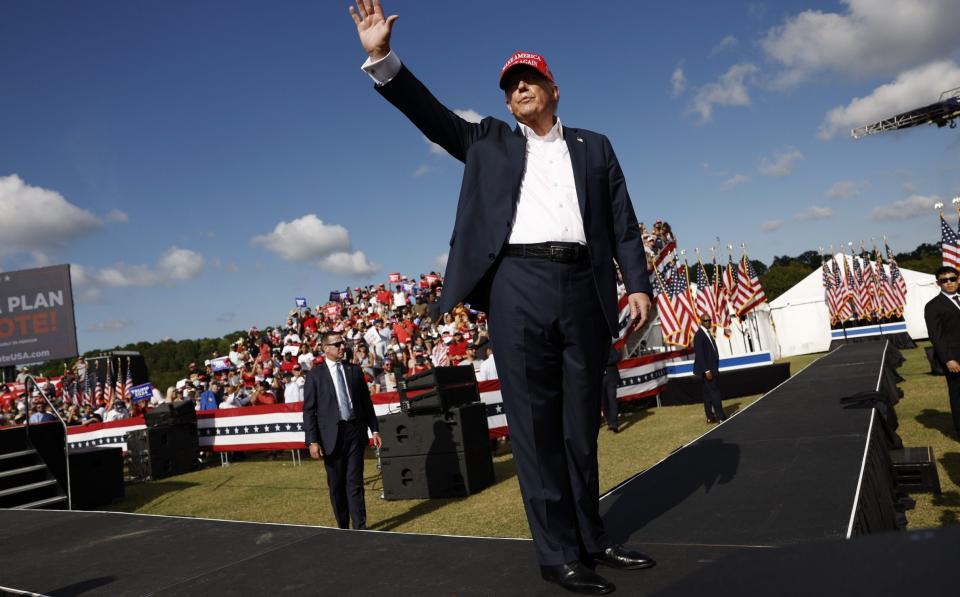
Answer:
(734, 182)
(111, 325)
(421, 170)
(782, 163)
(115, 215)
(349, 264)
(771, 225)
(724, 44)
(175, 265)
(871, 37)
(466, 114)
(843, 189)
(913, 206)
(678, 81)
(729, 90)
(180, 264)
(304, 239)
(815, 213)
(38, 219)
(911, 89)
(440, 261)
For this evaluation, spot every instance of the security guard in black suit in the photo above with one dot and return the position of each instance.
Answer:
(706, 365)
(942, 314)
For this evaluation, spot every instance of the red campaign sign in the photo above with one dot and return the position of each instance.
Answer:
(333, 311)
(393, 278)
(431, 279)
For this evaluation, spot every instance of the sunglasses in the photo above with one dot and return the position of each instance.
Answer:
(949, 280)
(337, 344)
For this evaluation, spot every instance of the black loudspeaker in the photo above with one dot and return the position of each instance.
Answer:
(449, 475)
(155, 453)
(439, 389)
(96, 477)
(456, 430)
(180, 412)
(440, 455)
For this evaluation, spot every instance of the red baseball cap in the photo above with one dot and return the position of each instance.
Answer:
(534, 61)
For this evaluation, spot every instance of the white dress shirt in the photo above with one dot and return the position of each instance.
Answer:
(547, 209)
(332, 366)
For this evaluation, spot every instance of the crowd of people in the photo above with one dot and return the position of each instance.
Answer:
(388, 332)
(387, 328)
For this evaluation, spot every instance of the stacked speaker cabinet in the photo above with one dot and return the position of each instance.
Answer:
(442, 454)
(168, 446)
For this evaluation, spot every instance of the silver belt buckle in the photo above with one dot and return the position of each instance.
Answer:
(561, 253)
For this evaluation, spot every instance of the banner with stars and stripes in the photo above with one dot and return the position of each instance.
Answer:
(280, 426)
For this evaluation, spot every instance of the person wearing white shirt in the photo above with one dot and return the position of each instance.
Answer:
(542, 218)
(488, 368)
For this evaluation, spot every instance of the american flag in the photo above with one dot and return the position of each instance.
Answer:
(897, 284)
(861, 299)
(733, 283)
(440, 355)
(871, 286)
(128, 383)
(830, 291)
(951, 244)
(669, 321)
(684, 308)
(706, 301)
(749, 291)
(888, 301)
(117, 383)
(844, 308)
(98, 392)
(722, 296)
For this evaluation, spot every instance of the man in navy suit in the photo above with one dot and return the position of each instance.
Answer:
(543, 212)
(942, 315)
(706, 365)
(337, 411)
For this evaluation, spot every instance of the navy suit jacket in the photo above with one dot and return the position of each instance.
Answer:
(943, 327)
(494, 156)
(321, 410)
(706, 358)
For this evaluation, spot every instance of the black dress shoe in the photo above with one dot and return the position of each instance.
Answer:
(622, 558)
(614, 428)
(576, 577)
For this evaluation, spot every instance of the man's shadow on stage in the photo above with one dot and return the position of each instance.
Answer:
(695, 469)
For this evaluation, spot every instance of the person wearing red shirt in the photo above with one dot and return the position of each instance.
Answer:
(288, 363)
(309, 322)
(403, 336)
(384, 297)
(457, 349)
(248, 377)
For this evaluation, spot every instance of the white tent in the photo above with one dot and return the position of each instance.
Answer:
(803, 321)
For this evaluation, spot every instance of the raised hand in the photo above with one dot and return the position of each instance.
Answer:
(372, 28)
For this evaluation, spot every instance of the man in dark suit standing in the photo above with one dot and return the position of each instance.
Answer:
(942, 314)
(706, 365)
(543, 212)
(337, 411)
(611, 381)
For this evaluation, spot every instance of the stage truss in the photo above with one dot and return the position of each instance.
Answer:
(942, 113)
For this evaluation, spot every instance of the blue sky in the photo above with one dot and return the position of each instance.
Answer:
(202, 163)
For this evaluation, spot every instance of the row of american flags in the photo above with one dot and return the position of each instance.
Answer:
(723, 293)
(863, 288)
(90, 389)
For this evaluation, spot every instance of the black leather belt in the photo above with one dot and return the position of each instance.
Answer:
(559, 252)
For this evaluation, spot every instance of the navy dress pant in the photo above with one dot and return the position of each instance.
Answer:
(344, 468)
(551, 343)
(713, 399)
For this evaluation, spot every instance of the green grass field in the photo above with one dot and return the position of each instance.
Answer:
(271, 489)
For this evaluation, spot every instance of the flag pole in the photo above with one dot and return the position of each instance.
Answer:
(843, 322)
(743, 336)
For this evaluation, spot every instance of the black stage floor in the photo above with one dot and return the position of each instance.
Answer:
(784, 471)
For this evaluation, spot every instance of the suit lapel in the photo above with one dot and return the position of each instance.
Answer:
(578, 158)
(516, 164)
